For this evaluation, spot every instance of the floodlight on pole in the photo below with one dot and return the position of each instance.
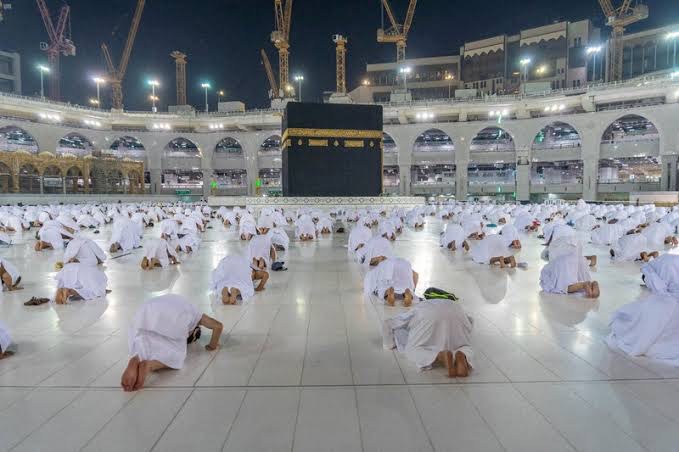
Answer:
(299, 79)
(594, 51)
(153, 84)
(525, 62)
(98, 81)
(205, 86)
(404, 72)
(672, 36)
(43, 69)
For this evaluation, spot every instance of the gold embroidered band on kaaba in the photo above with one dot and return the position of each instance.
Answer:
(320, 137)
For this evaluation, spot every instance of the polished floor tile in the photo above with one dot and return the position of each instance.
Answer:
(302, 366)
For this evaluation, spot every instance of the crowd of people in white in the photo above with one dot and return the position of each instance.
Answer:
(433, 329)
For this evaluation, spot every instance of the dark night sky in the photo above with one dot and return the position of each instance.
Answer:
(222, 39)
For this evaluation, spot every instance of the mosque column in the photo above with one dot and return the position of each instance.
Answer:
(668, 180)
(156, 181)
(461, 179)
(207, 181)
(404, 177)
(590, 170)
(522, 181)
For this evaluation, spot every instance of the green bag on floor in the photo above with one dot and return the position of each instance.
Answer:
(434, 293)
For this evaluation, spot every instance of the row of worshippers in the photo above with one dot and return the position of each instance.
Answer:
(430, 331)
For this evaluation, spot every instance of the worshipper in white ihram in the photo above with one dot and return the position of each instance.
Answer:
(433, 330)
(632, 247)
(9, 275)
(85, 251)
(234, 278)
(492, 250)
(158, 253)
(80, 280)
(390, 277)
(125, 235)
(158, 337)
(650, 327)
(279, 238)
(568, 272)
(376, 247)
(358, 237)
(6, 344)
(453, 237)
(51, 236)
(261, 252)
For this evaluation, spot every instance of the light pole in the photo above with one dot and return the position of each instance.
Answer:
(205, 86)
(42, 70)
(220, 94)
(525, 62)
(299, 79)
(404, 72)
(673, 36)
(593, 50)
(153, 97)
(98, 81)
(450, 79)
(94, 102)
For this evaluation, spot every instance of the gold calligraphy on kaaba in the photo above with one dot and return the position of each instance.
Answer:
(332, 133)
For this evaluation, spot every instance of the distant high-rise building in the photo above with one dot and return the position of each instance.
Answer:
(10, 72)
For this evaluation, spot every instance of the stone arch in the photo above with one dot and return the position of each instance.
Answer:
(181, 165)
(128, 147)
(181, 147)
(76, 144)
(29, 179)
(74, 180)
(629, 127)
(13, 138)
(434, 140)
(271, 145)
(389, 144)
(557, 135)
(229, 146)
(492, 139)
(6, 179)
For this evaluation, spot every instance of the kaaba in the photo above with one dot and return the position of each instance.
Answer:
(332, 150)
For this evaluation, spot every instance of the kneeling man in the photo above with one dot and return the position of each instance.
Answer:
(81, 281)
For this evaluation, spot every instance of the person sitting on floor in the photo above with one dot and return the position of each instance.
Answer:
(390, 277)
(568, 272)
(261, 252)
(9, 275)
(81, 281)
(125, 236)
(233, 278)
(632, 247)
(159, 335)
(51, 236)
(453, 237)
(433, 331)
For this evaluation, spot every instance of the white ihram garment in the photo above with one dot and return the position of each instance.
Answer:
(10, 269)
(85, 251)
(126, 234)
(375, 247)
(629, 247)
(453, 233)
(431, 327)
(359, 235)
(160, 329)
(233, 272)
(260, 248)
(5, 339)
(160, 249)
(88, 280)
(563, 271)
(491, 246)
(650, 327)
(393, 273)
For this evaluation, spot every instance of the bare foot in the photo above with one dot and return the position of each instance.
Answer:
(595, 292)
(129, 377)
(461, 364)
(391, 297)
(407, 298)
(144, 371)
(449, 363)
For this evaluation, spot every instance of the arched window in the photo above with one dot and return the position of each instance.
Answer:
(389, 144)
(76, 144)
(128, 147)
(630, 128)
(181, 147)
(29, 179)
(52, 182)
(434, 140)
(271, 145)
(17, 139)
(228, 147)
(557, 135)
(492, 139)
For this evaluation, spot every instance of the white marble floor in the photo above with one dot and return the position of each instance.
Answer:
(302, 366)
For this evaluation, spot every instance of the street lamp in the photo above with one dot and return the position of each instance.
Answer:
(405, 71)
(94, 102)
(42, 70)
(220, 94)
(299, 79)
(205, 86)
(673, 36)
(366, 82)
(524, 64)
(98, 81)
(593, 50)
(450, 78)
(153, 96)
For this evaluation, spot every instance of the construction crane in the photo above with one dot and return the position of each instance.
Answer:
(618, 19)
(58, 45)
(273, 92)
(180, 75)
(340, 63)
(281, 40)
(397, 33)
(116, 75)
